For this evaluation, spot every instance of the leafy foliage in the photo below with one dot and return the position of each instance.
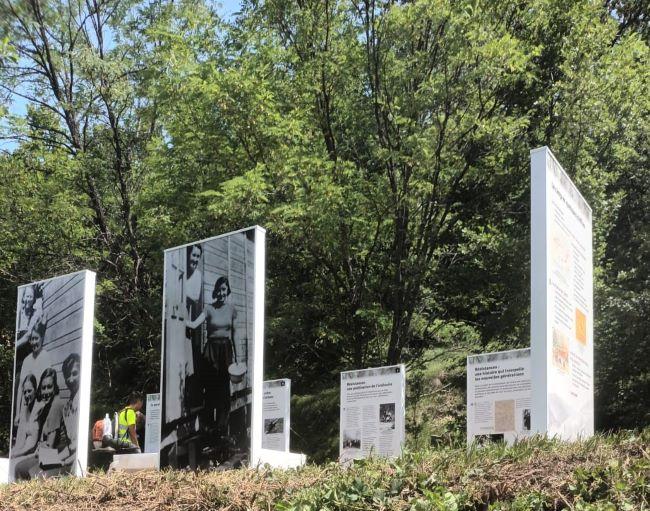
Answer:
(384, 146)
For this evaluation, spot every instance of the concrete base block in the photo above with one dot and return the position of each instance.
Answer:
(280, 459)
(134, 462)
(4, 470)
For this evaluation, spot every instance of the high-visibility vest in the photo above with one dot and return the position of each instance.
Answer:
(123, 425)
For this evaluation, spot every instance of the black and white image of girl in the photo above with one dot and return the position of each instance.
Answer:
(208, 321)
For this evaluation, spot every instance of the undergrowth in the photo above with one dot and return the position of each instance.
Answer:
(601, 474)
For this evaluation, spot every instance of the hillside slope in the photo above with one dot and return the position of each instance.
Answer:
(603, 473)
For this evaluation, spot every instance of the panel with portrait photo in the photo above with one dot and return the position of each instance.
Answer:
(209, 350)
(51, 397)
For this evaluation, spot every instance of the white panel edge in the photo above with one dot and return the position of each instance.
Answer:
(538, 288)
(86, 373)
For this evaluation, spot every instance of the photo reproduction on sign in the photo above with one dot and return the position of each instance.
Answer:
(52, 374)
(213, 351)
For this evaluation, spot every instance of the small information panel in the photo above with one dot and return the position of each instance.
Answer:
(498, 396)
(152, 424)
(372, 412)
(276, 413)
(562, 345)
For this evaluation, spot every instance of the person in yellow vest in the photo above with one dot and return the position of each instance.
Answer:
(127, 418)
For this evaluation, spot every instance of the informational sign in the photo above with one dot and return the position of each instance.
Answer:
(52, 370)
(498, 396)
(372, 412)
(152, 423)
(562, 342)
(276, 410)
(213, 324)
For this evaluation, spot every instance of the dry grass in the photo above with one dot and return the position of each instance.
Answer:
(149, 490)
(562, 473)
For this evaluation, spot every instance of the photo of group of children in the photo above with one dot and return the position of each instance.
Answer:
(45, 411)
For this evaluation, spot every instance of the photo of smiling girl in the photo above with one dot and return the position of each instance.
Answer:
(46, 404)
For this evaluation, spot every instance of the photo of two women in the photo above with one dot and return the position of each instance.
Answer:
(208, 303)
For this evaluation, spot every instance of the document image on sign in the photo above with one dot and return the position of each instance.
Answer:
(372, 412)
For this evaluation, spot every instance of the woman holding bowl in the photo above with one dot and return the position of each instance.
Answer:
(217, 355)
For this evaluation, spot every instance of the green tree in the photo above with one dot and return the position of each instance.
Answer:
(76, 71)
(384, 145)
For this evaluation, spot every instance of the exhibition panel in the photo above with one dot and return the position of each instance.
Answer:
(498, 396)
(212, 360)
(276, 414)
(52, 376)
(373, 403)
(562, 344)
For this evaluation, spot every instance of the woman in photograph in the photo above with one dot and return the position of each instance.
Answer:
(181, 342)
(193, 286)
(27, 421)
(49, 420)
(37, 361)
(218, 353)
(66, 441)
(34, 363)
(29, 313)
(193, 281)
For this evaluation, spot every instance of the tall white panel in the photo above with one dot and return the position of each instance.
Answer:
(561, 302)
(213, 343)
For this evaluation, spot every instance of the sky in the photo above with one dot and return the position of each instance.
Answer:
(228, 7)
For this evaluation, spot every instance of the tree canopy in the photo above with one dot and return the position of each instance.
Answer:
(383, 144)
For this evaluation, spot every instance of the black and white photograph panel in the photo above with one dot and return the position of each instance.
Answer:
(274, 426)
(47, 377)
(387, 413)
(208, 349)
(351, 439)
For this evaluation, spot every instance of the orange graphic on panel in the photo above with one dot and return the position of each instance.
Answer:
(581, 327)
(560, 351)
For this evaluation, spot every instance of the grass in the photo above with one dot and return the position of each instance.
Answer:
(601, 474)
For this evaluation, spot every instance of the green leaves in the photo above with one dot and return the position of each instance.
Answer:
(383, 145)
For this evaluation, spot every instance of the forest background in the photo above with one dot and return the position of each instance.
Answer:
(384, 145)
